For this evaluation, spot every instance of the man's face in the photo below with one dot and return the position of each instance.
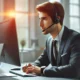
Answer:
(45, 22)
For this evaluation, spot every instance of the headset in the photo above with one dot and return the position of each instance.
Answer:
(56, 19)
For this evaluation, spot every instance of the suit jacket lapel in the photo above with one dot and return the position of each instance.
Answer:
(50, 52)
(50, 48)
(63, 42)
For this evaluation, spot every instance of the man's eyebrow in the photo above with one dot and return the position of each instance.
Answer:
(42, 18)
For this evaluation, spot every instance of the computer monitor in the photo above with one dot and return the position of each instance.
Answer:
(8, 36)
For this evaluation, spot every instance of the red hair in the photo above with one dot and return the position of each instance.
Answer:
(52, 9)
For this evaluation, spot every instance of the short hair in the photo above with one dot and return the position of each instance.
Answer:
(52, 9)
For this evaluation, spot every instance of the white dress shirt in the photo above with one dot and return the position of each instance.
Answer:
(58, 39)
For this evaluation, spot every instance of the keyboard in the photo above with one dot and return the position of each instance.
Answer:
(21, 73)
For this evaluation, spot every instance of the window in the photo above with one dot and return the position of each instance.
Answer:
(74, 14)
(55, 0)
(1, 10)
(21, 7)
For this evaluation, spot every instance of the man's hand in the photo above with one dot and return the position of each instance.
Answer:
(32, 69)
(25, 67)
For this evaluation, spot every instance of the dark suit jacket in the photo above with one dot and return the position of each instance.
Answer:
(68, 63)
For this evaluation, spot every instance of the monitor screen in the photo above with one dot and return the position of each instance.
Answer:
(8, 36)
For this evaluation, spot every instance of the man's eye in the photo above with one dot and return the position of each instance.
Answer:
(44, 18)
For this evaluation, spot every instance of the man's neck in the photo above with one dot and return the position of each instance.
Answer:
(56, 31)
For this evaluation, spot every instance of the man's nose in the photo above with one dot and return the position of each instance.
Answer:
(41, 24)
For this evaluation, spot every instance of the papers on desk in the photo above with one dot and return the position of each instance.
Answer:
(7, 75)
(3, 73)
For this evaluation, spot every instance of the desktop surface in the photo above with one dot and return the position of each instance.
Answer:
(8, 67)
(34, 78)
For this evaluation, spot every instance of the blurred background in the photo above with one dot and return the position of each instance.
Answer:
(27, 23)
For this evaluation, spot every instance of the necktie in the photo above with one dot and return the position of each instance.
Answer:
(54, 52)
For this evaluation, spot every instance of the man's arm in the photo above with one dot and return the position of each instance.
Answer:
(36, 67)
(42, 59)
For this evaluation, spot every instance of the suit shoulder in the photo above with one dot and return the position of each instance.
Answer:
(71, 35)
(72, 32)
(75, 33)
(75, 36)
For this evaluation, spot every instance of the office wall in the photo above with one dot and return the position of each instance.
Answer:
(1, 10)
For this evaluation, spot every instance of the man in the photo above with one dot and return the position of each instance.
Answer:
(61, 56)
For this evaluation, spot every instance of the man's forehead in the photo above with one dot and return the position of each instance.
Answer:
(42, 14)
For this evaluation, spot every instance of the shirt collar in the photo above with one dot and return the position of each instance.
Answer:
(59, 36)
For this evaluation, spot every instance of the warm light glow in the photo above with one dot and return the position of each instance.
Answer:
(14, 13)
(11, 14)
(8, 14)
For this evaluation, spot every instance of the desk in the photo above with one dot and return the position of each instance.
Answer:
(7, 67)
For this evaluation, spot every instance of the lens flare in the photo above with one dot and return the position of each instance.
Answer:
(16, 13)
(10, 14)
